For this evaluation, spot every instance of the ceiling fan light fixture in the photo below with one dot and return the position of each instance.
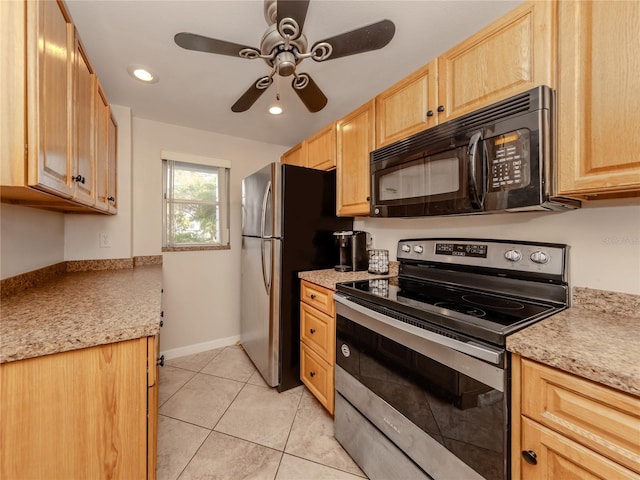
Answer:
(276, 108)
(142, 73)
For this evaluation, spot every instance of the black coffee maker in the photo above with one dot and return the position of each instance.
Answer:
(352, 246)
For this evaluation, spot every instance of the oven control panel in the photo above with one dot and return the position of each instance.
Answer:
(544, 258)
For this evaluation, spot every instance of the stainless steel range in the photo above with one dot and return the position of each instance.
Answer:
(422, 375)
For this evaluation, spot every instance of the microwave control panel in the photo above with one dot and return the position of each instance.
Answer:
(508, 156)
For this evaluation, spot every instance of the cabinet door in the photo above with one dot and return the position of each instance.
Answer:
(558, 458)
(512, 55)
(598, 97)
(101, 136)
(50, 34)
(76, 415)
(113, 165)
(317, 375)
(295, 156)
(321, 149)
(84, 172)
(355, 141)
(153, 377)
(407, 107)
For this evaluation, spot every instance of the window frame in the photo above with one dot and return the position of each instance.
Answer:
(221, 168)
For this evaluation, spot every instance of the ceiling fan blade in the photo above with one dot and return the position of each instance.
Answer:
(363, 39)
(309, 92)
(249, 97)
(192, 41)
(296, 9)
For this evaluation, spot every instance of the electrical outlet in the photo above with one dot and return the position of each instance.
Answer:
(105, 240)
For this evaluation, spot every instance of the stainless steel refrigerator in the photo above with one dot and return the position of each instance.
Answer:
(288, 220)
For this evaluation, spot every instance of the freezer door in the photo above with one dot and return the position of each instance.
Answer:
(260, 305)
(261, 202)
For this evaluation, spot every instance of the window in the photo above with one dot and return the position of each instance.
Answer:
(196, 204)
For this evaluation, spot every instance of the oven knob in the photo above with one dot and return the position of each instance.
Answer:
(418, 249)
(539, 257)
(512, 255)
(406, 248)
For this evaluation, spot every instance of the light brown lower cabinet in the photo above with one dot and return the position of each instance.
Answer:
(318, 342)
(83, 414)
(565, 427)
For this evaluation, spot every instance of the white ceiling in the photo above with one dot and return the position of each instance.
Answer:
(197, 89)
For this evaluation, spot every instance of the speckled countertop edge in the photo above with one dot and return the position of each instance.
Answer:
(597, 339)
(330, 277)
(80, 310)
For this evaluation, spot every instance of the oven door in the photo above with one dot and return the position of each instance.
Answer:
(444, 410)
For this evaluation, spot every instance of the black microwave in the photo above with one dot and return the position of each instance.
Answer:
(498, 158)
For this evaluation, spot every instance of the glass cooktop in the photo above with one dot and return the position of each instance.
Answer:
(474, 312)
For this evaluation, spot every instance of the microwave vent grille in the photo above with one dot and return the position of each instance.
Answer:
(513, 106)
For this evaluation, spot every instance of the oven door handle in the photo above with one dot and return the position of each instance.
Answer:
(472, 153)
(475, 350)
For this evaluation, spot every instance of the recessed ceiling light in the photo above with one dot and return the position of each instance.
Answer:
(142, 73)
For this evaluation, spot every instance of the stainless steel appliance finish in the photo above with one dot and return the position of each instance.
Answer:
(420, 358)
(499, 158)
(288, 220)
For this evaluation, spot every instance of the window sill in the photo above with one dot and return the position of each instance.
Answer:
(196, 248)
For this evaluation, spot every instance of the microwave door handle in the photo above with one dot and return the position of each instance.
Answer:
(472, 153)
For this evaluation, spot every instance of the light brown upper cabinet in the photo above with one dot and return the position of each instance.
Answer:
(112, 186)
(47, 110)
(295, 156)
(513, 54)
(407, 107)
(84, 157)
(321, 149)
(355, 139)
(598, 98)
(101, 136)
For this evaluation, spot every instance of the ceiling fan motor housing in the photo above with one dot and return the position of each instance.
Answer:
(282, 58)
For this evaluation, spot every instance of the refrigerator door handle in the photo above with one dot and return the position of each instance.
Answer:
(265, 201)
(266, 280)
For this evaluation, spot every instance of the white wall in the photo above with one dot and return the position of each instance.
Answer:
(604, 238)
(81, 232)
(201, 289)
(29, 239)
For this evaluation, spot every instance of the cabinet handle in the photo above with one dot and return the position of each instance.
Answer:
(78, 178)
(161, 323)
(440, 108)
(160, 361)
(112, 199)
(312, 331)
(430, 113)
(312, 374)
(313, 296)
(530, 457)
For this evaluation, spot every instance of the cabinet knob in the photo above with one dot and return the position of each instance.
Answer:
(312, 374)
(160, 361)
(112, 199)
(312, 331)
(440, 108)
(368, 199)
(430, 113)
(530, 457)
(161, 323)
(313, 296)
(78, 178)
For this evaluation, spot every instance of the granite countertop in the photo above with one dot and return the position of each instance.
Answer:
(330, 277)
(79, 310)
(597, 339)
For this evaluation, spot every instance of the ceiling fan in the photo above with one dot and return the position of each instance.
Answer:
(284, 46)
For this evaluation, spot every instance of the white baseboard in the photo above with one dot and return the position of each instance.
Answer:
(200, 347)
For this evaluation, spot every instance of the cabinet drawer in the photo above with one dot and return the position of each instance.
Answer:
(560, 458)
(317, 375)
(603, 419)
(318, 297)
(317, 330)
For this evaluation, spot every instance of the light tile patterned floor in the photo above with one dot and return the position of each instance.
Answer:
(219, 420)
